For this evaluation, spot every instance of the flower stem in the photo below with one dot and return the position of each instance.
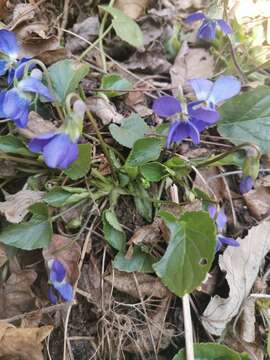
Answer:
(222, 156)
(47, 75)
(101, 141)
(101, 31)
(95, 43)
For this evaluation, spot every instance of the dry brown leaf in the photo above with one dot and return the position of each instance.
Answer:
(16, 206)
(3, 9)
(49, 57)
(67, 251)
(132, 8)
(148, 234)
(22, 13)
(16, 296)
(8, 169)
(152, 60)
(211, 186)
(191, 64)
(258, 201)
(36, 126)
(3, 255)
(137, 101)
(37, 46)
(248, 321)
(149, 285)
(22, 343)
(88, 29)
(104, 110)
(241, 266)
(91, 282)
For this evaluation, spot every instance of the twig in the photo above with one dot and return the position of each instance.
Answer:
(185, 301)
(65, 18)
(45, 310)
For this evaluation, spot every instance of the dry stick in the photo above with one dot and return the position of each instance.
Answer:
(65, 18)
(185, 301)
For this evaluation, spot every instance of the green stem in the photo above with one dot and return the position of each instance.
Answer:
(95, 43)
(101, 141)
(47, 75)
(19, 160)
(101, 31)
(222, 156)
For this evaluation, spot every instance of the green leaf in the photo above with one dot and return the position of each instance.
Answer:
(154, 171)
(12, 145)
(65, 76)
(125, 27)
(116, 83)
(34, 234)
(144, 151)
(62, 196)
(81, 166)
(116, 238)
(112, 220)
(211, 351)
(180, 166)
(140, 261)
(132, 129)
(142, 201)
(190, 252)
(246, 118)
(236, 159)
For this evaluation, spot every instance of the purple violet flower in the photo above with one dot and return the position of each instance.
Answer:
(10, 62)
(246, 184)
(207, 30)
(15, 103)
(59, 151)
(221, 221)
(59, 284)
(224, 88)
(196, 120)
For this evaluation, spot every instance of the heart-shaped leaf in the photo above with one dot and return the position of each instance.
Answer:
(246, 118)
(125, 27)
(132, 129)
(81, 166)
(190, 252)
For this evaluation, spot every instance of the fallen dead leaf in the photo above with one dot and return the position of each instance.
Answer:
(67, 251)
(241, 266)
(49, 57)
(91, 282)
(16, 206)
(3, 9)
(190, 64)
(132, 8)
(149, 285)
(151, 61)
(148, 234)
(87, 29)
(22, 13)
(210, 186)
(3, 255)
(104, 110)
(8, 169)
(137, 101)
(16, 296)
(248, 321)
(22, 343)
(36, 126)
(258, 201)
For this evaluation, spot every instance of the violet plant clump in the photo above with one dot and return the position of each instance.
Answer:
(207, 30)
(221, 222)
(59, 285)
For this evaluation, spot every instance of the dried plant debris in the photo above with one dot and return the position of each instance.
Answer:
(241, 266)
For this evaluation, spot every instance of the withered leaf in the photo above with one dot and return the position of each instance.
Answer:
(149, 285)
(148, 234)
(36, 125)
(241, 266)
(16, 206)
(132, 8)
(16, 296)
(191, 64)
(22, 343)
(258, 201)
(104, 110)
(67, 251)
